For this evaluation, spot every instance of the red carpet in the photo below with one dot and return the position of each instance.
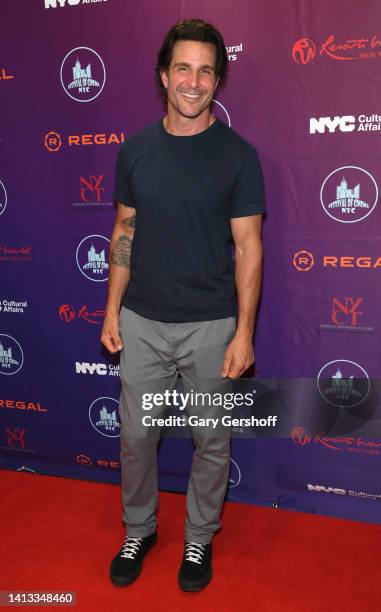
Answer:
(60, 534)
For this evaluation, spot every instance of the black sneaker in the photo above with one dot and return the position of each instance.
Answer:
(128, 563)
(196, 569)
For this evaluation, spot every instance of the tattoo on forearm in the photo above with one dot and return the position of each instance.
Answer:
(129, 222)
(120, 251)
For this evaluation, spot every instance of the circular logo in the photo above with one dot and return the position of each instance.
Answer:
(3, 198)
(11, 355)
(343, 383)
(83, 74)
(222, 113)
(235, 474)
(303, 261)
(303, 51)
(349, 194)
(53, 141)
(104, 416)
(92, 259)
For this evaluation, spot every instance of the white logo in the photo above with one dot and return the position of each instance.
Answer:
(349, 194)
(233, 50)
(13, 306)
(11, 355)
(322, 489)
(55, 3)
(341, 383)
(226, 117)
(62, 3)
(103, 416)
(346, 123)
(83, 74)
(3, 198)
(235, 474)
(101, 369)
(91, 257)
(359, 494)
(320, 125)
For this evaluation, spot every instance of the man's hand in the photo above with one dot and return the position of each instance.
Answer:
(110, 336)
(239, 356)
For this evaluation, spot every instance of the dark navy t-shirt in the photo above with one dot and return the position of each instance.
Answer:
(185, 190)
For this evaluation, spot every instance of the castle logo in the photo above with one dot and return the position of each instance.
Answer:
(91, 257)
(83, 74)
(11, 355)
(343, 383)
(104, 416)
(349, 194)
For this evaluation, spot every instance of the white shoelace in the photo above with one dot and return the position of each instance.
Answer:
(194, 552)
(131, 547)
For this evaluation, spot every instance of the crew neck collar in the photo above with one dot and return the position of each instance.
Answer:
(198, 135)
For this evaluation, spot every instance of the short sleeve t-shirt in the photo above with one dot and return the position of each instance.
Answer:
(185, 190)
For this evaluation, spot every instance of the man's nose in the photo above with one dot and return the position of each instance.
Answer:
(194, 79)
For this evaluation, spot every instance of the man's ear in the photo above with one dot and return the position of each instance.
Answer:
(216, 85)
(164, 78)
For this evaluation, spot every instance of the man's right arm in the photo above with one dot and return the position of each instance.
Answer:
(119, 262)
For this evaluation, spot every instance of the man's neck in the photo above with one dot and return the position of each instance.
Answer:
(185, 126)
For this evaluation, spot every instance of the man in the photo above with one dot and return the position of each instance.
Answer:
(193, 186)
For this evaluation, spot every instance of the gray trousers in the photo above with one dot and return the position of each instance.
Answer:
(154, 353)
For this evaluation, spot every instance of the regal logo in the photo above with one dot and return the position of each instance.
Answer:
(54, 142)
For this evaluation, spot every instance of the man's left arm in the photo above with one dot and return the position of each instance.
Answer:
(246, 233)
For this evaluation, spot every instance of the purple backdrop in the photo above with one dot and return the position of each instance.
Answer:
(76, 78)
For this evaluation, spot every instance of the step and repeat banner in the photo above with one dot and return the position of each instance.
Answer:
(76, 80)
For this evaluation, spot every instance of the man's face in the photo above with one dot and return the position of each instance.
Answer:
(191, 79)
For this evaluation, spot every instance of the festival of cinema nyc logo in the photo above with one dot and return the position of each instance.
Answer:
(91, 257)
(343, 383)
(11, 355)
(83, 74)
(349, 194)
(104, 416)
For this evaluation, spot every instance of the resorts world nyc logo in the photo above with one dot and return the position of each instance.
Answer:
(83, 74)
(349, 194)
(68, 314)
(91, 257)
(301, 437)
(104, 416)
(305, 49)
(343, 383)
(11, 355)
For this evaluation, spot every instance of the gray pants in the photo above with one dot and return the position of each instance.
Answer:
(153, 354)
